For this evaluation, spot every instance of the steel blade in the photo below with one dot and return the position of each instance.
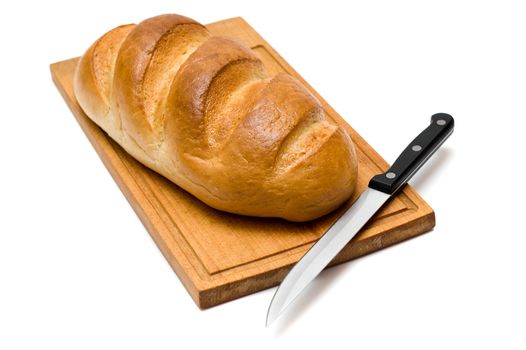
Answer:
(327, 247)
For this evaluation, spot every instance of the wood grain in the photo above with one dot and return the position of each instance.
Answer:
(220, 256)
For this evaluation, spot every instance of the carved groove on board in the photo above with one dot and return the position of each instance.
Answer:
(157, 206)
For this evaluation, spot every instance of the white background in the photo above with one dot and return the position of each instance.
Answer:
(79, 271)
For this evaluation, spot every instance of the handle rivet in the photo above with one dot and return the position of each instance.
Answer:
(416, 148)
(390, 175)
(441, 122)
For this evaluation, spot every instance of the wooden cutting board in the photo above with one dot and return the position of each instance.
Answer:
(220, 256)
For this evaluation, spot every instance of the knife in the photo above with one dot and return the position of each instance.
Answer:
(381, 188)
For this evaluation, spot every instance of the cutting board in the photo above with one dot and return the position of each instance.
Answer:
(220, 256)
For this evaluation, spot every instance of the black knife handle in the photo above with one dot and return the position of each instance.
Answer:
(415, 154)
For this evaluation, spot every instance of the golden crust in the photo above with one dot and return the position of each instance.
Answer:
(203, 112)
(134, 95)
(94, 77)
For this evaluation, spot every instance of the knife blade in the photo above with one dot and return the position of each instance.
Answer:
(381, 187)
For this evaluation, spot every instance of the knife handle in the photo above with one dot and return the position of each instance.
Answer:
(415, 155)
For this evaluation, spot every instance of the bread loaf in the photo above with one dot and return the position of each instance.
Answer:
(203, 112)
